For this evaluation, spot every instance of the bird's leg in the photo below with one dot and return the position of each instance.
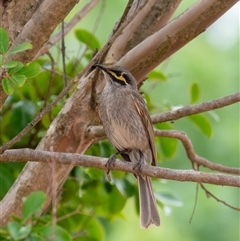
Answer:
(110, 162)
(138, 165)
(112, 159)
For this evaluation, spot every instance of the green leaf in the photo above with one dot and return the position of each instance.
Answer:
(21, 114)
(30, 70)
(157, 75)
(57, 232)
(8, 86)
(17, 231)
(19, 48)
(16, 68)
(94, 173)
(195, 93)
(114, 206)
(35, 237)
(168, 145)
(1, 59)
(19, 80)
(10, 64)
(126, 188)
(87, 38)
(33, 203)
(202, 123)
(168, 199)
(4, 41)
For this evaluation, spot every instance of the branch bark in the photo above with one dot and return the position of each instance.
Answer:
(155, 49)
(97, 162)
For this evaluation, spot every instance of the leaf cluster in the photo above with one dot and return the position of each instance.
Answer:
(14, 72)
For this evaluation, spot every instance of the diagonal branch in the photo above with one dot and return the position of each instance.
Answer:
(57, 37)
(196, 109)
(159, 46)
(98, 162)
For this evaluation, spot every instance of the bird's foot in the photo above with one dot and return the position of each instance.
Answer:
(138, 165)
(109, 164)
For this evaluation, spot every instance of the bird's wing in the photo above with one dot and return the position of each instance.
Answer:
(144, 115)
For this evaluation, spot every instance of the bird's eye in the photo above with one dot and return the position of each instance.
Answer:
(119, 77)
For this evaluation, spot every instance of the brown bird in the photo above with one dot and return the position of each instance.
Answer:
(127, 124)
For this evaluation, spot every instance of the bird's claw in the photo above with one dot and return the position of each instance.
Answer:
(109, 164)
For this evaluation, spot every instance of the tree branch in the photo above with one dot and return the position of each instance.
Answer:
(98, 162)
(57, 37)
(147, 55)
(195, 159)
(98, 132)
(196, 109)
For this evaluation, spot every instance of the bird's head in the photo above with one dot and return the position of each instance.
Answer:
(117, 75)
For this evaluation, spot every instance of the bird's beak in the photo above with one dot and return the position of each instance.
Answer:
(102, 67)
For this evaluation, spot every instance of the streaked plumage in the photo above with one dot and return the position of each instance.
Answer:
(127, 124)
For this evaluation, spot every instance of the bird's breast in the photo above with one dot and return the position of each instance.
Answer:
(121, 121)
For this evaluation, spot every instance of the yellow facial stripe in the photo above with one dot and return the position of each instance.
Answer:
(121, 78)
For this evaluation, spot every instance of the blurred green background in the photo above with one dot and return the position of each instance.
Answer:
(211, 61)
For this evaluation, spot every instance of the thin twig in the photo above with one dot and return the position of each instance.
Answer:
(47, 94)
(63, 48)
(209, 194)
(195, 203)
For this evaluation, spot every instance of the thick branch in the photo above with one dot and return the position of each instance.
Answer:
(97, 162)
(155, 49)
(57, 37)
(44, 19)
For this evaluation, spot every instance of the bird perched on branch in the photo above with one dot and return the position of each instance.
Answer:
(127, 124)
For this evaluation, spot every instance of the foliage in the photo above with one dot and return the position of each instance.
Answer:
(15, 73)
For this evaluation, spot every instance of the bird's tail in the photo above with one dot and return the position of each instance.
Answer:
(148, 207)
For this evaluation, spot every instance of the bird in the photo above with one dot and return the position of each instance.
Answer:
(127, 124)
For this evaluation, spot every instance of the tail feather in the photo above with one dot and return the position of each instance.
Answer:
(148, 208)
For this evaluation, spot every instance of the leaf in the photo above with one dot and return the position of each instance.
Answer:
(30, 70)
(35, 237)
(17, 231)
(115, 201)
(16, 68)
(202, 123)
(4, 41)
(19, 48)
(1, 59)
(157, 75)
(57, 232)
(126, 188)
(8, 86)
(21, 114)
(168, 199)
(168, 145)
(19, 80)
(94, 173)
(33, 203)
(195, 93)
(87, 38)
(10, 64)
